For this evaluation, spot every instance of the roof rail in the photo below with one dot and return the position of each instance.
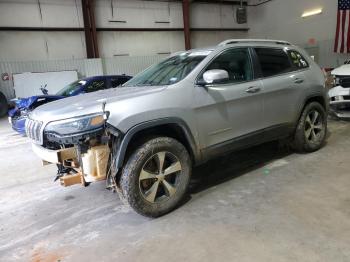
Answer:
(235, 41)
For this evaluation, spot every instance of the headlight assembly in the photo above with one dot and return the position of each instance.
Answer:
(77, 125)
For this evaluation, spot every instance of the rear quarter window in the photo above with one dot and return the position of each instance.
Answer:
(298, 61)
(273, 61)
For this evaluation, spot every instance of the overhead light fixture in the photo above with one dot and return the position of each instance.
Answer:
(312, 12)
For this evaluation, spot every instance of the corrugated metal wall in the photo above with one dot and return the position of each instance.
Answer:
(84, 67)
(129, 65)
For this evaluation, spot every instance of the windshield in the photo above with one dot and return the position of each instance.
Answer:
(71, 88)
(169, 71)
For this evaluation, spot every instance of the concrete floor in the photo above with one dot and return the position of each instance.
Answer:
(261, 204)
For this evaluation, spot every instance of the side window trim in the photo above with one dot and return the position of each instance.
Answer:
(218, 54)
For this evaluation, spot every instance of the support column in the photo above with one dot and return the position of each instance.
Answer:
(90, 29)
(186, 20)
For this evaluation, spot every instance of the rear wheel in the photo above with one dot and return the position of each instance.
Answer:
(311, 131)
(156, 176)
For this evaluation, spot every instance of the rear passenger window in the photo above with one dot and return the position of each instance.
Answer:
(297, 59)
(273, 61)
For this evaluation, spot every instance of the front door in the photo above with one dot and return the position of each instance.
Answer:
(232, 109)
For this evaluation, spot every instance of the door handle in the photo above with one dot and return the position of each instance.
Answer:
(298, 80)
(253, 89)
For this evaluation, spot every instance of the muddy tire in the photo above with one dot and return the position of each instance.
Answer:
(156, 176)
(311, 131)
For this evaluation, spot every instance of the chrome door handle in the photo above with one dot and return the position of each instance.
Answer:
(298, 80)
(253, 89)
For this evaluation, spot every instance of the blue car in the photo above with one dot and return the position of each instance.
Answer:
(18, 115)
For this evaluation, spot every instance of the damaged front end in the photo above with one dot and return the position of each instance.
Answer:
(80, 146)
(339, 99)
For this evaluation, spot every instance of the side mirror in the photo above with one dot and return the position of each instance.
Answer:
(215, 76)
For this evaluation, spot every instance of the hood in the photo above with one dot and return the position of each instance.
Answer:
(343, 70)
(26, 103)
(88, 103)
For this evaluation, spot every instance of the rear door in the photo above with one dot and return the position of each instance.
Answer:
(282, 86)
(231, 109)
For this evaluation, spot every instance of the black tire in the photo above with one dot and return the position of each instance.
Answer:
(147, 156)
(309, 142)
(3, 105)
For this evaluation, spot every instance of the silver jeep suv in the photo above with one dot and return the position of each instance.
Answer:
(144, 137)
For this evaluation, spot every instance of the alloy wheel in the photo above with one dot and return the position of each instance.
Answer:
(313, 126)
(159, 175)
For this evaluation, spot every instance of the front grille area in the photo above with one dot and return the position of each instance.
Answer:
(344, 81)
(33, 130)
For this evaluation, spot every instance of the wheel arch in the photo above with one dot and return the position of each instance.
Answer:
(171, 127)
(317, 97)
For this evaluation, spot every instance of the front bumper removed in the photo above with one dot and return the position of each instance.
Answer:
(90, 166)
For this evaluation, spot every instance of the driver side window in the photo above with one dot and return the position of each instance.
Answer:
(237, 64)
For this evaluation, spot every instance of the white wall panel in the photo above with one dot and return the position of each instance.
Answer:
(29, 84)
(24, 46)
(129, 65)
(138, 13)
(214, 16)
(139, 43)
(212, 38)
(62, 13)
(84, 67)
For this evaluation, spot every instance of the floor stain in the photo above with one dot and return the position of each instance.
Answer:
(42, 255)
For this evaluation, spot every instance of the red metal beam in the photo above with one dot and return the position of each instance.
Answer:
(88, 37)
(90, 29)
(93, 28)
(186, 20)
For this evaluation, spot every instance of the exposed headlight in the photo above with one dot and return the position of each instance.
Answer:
(77, 125)
(338, 98)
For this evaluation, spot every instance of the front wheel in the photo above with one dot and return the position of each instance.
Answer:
(156, 176)
(311, 131)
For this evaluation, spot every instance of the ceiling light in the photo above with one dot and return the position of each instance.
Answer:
(312, 12)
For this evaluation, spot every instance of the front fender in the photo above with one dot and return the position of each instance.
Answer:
(125, 140)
